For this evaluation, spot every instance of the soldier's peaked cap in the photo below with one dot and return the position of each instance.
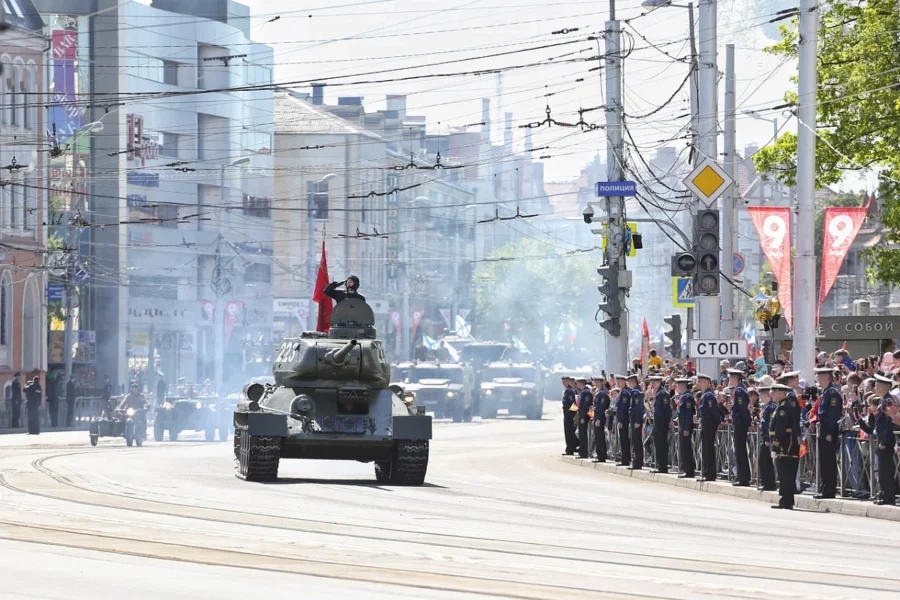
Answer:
(883, 379)
(581, 379)
(781, 388)
(685, 380)
(824, 370)
(702, 376)
(736, 372)
(633, 376)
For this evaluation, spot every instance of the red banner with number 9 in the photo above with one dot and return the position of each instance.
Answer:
(773, 225)
(841, 226)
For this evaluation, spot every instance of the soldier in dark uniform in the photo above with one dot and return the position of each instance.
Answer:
(766, 466)
(16, 400)
(585, 403)
(601, 406)
(636, 413)
(784, 433)
(792, 380)
(662, 423)
(70, 400)
(710, 418)
(622, 412)
(106, 392)
(886, 440)
(568, 400)
(33, 396)
(740, 422)
(829, 415)
(53, 399)
(687, 408)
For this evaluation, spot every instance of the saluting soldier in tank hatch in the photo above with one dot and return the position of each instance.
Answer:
(352, 287)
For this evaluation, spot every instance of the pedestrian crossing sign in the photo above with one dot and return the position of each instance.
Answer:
(683, 292)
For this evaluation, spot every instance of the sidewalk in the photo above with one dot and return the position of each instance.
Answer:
(844, 506)
(8, 431)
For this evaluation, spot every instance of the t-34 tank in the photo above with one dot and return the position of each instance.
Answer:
(331, 400)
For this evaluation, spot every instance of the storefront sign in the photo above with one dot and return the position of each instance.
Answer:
(143, 179)
(287, 307)
(842, 329)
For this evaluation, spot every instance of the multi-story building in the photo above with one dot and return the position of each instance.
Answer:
(22, 193)
(179, 202)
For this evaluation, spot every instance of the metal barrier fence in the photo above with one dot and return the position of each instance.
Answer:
(83, 409)
(856, 460)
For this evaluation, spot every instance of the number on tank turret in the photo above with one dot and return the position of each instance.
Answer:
(282, 351)
(379, 349)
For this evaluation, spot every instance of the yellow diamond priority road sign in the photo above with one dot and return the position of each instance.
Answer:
(708, 181)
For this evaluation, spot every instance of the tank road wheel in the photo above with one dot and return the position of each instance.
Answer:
(158, 431)
(258, 456)
(94, 439)
(407, 465)
(223, 434)
(173, 435)
(210, 435)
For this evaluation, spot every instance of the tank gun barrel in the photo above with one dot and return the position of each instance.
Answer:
(340, 355)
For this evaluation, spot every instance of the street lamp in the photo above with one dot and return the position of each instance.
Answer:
(775, 187)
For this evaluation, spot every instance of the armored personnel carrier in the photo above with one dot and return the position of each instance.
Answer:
(443, 388)
(517, 387)
(332, 400)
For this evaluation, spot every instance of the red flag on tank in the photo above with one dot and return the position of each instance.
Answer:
(322, 280)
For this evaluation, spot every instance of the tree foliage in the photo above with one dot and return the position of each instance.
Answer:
(858, 121)
(530, 284)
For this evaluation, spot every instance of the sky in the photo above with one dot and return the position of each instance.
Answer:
(347, 42)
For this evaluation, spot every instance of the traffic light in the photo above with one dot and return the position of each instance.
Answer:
(674, 350)
(610, 290)
(684, 264)
(706, 244)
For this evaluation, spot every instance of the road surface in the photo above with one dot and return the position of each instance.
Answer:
(500, 516)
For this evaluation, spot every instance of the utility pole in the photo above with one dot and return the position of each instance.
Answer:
(454, 302)
(688, 222)
(220, 285)
(617, 326)
(805, 296)
(729, 328)
(404, 315)
(69, 288)
(708, 306)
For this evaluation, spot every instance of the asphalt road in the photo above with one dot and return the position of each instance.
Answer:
(500, 516)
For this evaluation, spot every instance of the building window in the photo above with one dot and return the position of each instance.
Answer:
(28, 206)
(11, 83)
(170, 72)
(5, 309)
(255, 206)
(318, 199)
(168, 144)
(15, 205)
(258, 273)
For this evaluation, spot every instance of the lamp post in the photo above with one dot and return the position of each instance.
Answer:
(776, 188)
(221, 286)
(315, 187)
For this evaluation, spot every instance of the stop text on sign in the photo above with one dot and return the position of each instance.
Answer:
(718, 349)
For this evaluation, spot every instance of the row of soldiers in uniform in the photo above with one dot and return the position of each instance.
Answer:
(688, 401)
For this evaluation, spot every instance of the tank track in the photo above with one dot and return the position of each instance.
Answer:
(408, 466)
(255, 457)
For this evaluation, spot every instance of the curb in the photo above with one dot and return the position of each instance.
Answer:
(839, 506)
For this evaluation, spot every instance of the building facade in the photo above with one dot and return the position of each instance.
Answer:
(23, 184)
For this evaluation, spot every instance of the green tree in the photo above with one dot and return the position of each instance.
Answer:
(530, 284)
(858, 122)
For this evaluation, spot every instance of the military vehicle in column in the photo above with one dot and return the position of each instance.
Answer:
(516, 387)
(332, 400)
(444, 388)
(478, 355)
(189, 412)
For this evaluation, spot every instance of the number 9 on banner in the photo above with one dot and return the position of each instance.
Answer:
(774, 230)
(841, 229)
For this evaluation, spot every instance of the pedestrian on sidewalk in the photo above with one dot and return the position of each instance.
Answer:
(740, 420)
(886, 441)
(16, 401)
(601, 406)
(710, 418)
(636, 413)
(33, 396)
(585, 403)
(785, 435)
(686, 411)
(766, 466)
(568, 401)
(622, 414)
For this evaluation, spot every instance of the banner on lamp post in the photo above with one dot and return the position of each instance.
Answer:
(445, 312)
(416, 317)
(232, 313)
(395, 319)
(773, 225)
(841, 226)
